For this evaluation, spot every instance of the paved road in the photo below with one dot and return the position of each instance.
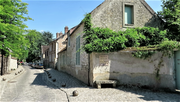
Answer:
(32, 86)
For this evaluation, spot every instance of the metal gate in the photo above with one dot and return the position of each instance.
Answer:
(177, 69)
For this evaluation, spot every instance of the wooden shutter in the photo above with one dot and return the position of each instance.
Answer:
(77, 50)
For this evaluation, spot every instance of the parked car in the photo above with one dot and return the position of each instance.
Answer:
(30, 63)
(39, 65)
(33, 65)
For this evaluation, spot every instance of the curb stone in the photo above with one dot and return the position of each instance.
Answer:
(54, 83)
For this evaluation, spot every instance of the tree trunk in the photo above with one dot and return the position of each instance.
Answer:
(2, 63)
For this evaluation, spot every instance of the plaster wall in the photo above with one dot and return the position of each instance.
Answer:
(13, 64)
(127, 69)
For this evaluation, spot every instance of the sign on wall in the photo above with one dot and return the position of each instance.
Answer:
(103, 60)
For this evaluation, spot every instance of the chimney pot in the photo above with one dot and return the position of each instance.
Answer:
(60, 33)
(66, 29)
(57, 35)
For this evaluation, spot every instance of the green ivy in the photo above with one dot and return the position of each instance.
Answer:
(106, 40)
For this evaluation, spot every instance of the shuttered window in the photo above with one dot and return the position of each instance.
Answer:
(128, 14)
(77, 50)
(63, 60)
(69, 41)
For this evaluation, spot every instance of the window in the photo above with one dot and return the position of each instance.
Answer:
(68, 40)
(129, 16)
(77, 50)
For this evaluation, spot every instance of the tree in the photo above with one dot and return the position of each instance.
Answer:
(36, 40)
(12, 15)
(47, 37)
(171, 15)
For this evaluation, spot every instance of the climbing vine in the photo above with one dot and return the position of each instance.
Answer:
(106, 40)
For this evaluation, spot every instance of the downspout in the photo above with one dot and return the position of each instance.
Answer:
(88, 69)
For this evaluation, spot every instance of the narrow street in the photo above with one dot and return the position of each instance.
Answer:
(31, 86)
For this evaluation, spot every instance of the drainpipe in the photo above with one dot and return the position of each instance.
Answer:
(88, 69)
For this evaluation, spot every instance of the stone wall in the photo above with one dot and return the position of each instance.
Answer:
(111, 12)
(125, 68)
(6, 64)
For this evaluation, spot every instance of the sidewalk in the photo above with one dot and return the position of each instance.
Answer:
(10, 76)
(89, 94)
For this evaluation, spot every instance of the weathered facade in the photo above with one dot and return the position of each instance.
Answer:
(129, 70)
(9, 63)
(68, 57)
(114, 14)
(43, 54)
(54, 47)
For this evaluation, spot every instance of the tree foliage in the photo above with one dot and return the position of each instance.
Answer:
(46, 37)
(12, 15)
(171, 15)
(36, 40)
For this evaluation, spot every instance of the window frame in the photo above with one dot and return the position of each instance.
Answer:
(133, 14)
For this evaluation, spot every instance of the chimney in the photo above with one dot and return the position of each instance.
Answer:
(60, 34)
(66, 30)
(57, 35)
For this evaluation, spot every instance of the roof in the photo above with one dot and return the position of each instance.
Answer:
(64, 49)
(142, 1)
(57, 38)
(44, 48)
(148, 7)
(72, 30)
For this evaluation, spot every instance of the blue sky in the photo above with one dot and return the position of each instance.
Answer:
(54, 15)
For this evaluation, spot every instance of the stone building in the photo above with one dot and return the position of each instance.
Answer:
(114, 14)
(120, 66)
(43, 54)
(54, 47)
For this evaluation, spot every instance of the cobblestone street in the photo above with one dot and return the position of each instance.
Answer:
(34, 85)
(107, 94)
